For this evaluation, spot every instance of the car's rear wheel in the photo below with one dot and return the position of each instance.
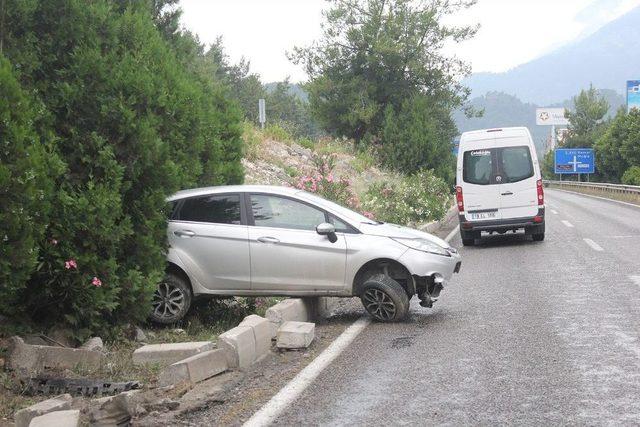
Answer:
(384, 299)
(171, 300)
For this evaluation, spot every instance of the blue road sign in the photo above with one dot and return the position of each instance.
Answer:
(633, 94)
(575, 160)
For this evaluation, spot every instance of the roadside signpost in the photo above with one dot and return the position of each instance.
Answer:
(633, 94)
(551, 117)
(574, 161)
(262, 112)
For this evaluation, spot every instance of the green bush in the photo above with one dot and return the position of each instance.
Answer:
(278, 132)
(632, 176)
(25, 189)
(307, 143)
(135, 119)
(416, 199)
(325, 183)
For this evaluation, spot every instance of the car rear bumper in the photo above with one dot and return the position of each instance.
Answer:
(502, 224)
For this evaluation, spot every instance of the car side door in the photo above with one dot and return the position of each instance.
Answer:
(210, 236)
(287, 254)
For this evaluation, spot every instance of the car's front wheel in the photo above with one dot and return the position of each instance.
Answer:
(385, 299)
(171, 300)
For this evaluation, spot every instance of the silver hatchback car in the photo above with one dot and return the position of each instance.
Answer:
(276, 241)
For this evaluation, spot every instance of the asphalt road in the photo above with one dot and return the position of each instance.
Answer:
(528, 333)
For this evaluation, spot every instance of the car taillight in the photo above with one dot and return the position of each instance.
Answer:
(459, 199)
(540, 193)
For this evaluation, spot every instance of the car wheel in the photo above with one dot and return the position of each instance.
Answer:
(538, 237)
(171, 301)
(384, 299)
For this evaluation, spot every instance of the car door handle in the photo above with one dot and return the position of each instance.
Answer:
(184, 233)
(507, 193)
(267, 239)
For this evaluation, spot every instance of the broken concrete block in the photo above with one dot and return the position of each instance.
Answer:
(94, 344)
(240, 346)
(290, 309)
(292, 335)
(195, 368)
(262, 333)
(24, 416)
(113, 410)
(69, 418)
(34, 358)
(167, 354)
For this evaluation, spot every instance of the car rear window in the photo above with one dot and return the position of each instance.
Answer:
(477, 167)
(516, 164)
(217, 209)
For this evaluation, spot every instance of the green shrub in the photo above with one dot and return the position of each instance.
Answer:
(307, 143)
(135, 120)
(278, 132)
(632, 176)
(417, 199)
(25, 189)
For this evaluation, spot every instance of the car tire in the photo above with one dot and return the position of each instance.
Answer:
(539, 237)
(384, 299)
(171, 300)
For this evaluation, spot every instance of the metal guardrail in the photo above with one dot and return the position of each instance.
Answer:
(633, 190)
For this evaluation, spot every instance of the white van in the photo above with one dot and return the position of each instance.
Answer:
(499, 186)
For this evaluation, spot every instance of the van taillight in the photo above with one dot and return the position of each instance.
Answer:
(459, 199)
(540, 193)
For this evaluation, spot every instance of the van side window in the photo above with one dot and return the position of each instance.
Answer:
(516, 164)
(477, 167)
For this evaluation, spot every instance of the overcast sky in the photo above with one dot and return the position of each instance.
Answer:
(512, 31)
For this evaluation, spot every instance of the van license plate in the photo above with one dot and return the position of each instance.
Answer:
(483, 215)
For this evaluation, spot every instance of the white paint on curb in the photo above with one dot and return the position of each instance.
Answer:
(635, 279)
(567, 223)
(274, 407)
(554, 212)
(289, 393)
(594, 245)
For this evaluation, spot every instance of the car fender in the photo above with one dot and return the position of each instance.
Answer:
(190, 267)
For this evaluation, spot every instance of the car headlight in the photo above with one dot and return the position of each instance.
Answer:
(423, 245)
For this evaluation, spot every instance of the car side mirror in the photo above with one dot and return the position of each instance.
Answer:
(329, 230)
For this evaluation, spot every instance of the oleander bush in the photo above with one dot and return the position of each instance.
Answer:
(415, 199)
(134, 115)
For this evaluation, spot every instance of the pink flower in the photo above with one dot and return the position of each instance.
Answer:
(330, 178)
(96, 282)
(368, 214)
(54, 242)
(71, 264)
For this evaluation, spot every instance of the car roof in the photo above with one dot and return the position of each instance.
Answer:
(203, 191)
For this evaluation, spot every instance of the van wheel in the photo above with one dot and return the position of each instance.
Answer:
(468, 238)
(384, 299)
(538, 237)
(171, 301)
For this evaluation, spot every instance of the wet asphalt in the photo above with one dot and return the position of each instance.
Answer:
(528, 333)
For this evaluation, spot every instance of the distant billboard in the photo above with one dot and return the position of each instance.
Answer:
(633, 94)
(551, 117)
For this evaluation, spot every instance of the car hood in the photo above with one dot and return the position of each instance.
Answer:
(398, 231)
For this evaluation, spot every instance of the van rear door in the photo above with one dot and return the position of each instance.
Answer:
(516, 173)
(481, 187)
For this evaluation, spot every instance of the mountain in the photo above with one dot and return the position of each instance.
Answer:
(606, 58)
(504, 110)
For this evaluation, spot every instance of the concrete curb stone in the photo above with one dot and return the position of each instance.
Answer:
(195, 368)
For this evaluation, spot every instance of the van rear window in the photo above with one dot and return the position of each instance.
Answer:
(516, 164)
(477, 167)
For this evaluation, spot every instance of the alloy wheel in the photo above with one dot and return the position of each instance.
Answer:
(379, 304)
(168, 301)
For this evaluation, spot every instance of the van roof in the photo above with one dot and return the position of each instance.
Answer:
(508, 132)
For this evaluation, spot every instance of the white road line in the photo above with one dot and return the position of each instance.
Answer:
(594, 245)
(269, 412)
(567, 223)
(450, 235)
(635, 279)
(554, 212)
(598, 197)
(289, 393)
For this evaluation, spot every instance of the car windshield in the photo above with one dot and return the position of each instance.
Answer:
(338, 209)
